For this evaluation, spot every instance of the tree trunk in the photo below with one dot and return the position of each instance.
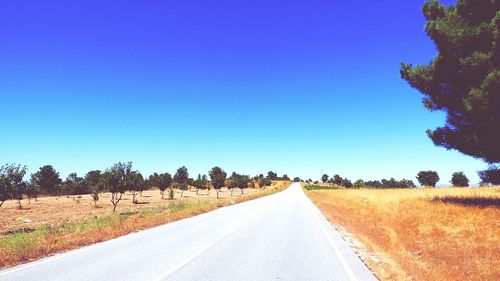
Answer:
(217, 193)
(20, 206)
(182, 192)
(241, 191)
(29, 200)
(1, 203)
(115, 202)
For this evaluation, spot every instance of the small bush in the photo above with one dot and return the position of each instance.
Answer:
(318, 187)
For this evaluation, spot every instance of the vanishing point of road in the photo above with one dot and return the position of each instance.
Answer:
(278, 237)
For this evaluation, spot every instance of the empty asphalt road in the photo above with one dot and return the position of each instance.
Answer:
(277, 237)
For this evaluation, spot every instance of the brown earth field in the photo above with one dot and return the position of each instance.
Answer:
(56, 224)
(419, 234)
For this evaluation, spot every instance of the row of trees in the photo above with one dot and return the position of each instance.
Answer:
(430, 178)
(391, 183)
(117, 180)
(425, 178)
(273, 176)
(384, 183)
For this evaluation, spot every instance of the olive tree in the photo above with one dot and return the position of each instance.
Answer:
(263, 182)
(181, 177)
(115, 181)
(11, 183)
(135, 184)
(32, 190)
(324, 178)
(218, 178)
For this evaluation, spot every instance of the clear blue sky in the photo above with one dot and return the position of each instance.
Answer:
(298, 87)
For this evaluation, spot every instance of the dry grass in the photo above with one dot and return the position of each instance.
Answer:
(425, 234)
(53, 224)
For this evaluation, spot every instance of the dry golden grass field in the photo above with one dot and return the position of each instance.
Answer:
(55, 224)
(421, 234)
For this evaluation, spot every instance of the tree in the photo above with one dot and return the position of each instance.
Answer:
(181, 178)
(115, 181)
(391, 183)
(240, 181)
(296, 179)
(231, 185)
(5, 183)
(490, 176)
(428, 178)
(93, 181)
(18, 188)
(285, 177)
(135, 184)
(404, 183)
(199, 183)
(463, 80)
(94, 192)
(206, 183)
(32, 190)
(324, 178)
(48, 180)
(162, 181)
(272, 175)
(218, 178)
(459, 179)
(263, 182)
(11, 183)
(374, 184)
(74, 185)
(337, 180)
(346, 183)
(359, 183)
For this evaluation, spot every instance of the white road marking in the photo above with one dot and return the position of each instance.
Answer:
(183, 263)
(341, 258)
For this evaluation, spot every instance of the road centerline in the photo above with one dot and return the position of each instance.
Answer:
(192, 257)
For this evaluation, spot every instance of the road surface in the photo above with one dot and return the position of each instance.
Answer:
(278, 237)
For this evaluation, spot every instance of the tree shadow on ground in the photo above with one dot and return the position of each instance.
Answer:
(483, 202)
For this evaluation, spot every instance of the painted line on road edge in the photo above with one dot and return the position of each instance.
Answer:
(187, 260)
(343, 262)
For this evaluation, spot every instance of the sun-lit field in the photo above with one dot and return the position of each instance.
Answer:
(54, 224)
(422, 234)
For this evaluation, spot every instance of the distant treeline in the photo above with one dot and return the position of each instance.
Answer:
(425, 178)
